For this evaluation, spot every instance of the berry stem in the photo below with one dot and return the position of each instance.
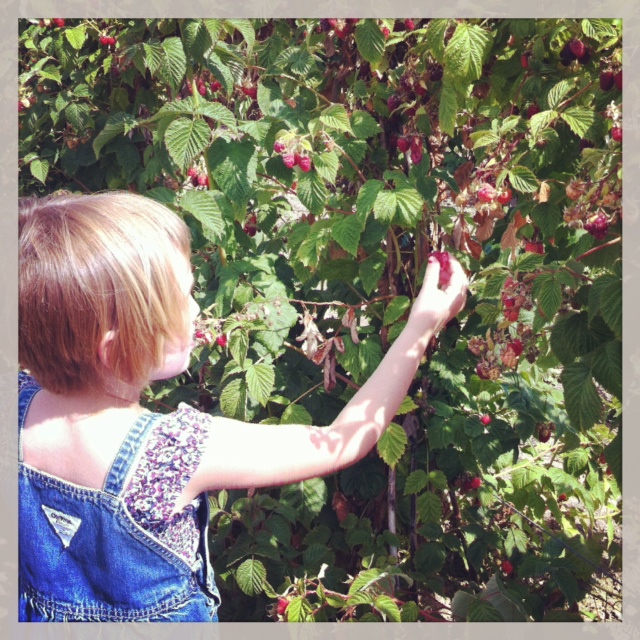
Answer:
(602, 246)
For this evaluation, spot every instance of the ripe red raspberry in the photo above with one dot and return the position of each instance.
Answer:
(532, 110)
(221, 341)
(512, 314)
(504, 196)
(617, 79)
(534, 247)
(403, 145)
(475, 483)
(577, 47)
(214, 86)
(59, 22)
(602, 459)
(409, 24)
(21, 107)
(416, 156)
(606, 80)
(420, 90)
(562, 497)
(332, 22)
(485, 419)
(252, 92)
(202, 89)
(436, 71)
(544, 435)
(616, 134)
(486, 193)
(524, 60)
(192, 172)
(444, 258)
(104, 41)
(282, 606)
(393, 102)
(508, 302)
(203, 180)
(278, 146)
(586, 57)
(385, 32)
(598, 226)
(517, 347)
(112, 41)
(304, 162)
(289, 160)
(507, 567)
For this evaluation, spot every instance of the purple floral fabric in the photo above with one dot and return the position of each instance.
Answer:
(170, 456)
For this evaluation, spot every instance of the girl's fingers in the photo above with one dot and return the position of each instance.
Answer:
(431, 275)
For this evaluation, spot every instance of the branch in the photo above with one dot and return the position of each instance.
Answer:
(602, 246)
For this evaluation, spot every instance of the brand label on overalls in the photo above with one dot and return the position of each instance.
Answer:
(63, 524)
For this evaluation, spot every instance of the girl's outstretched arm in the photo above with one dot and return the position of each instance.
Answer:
(243, 455)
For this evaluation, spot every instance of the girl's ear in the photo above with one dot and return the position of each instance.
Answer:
(104, 348)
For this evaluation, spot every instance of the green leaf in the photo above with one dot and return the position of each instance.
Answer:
(385, 605)
(448, 108)
(233, 167)
(409, 612)
(312, 192)
(484, 138)
(392, 444)
(175, 64)
(437, 479)
(573, 336)
(153, 56)
(203, 206)
(75, 37)
(39, 169)
(467, 50)
(395, 309)
(233, 399)
(246, 29)
(299, 610)
(78, 115)
(606, 366)
(371, 269)
(367, 196)
(385, 206)
(436, 30)
(307, 498)
(296, 414)
(547, 217)
(541, 121)
(364, 125)
(346, 232)
(327, 165)
(584, 122)
(416, 481)
(186, 139)
(260, 381)
(335, 117)
(115, 125)
(515, 540)
(430, 556)
(558, 92)
(483, 611)
(429, 507)
(370, 41)
(567, 583)
(581, 397)
(214, 27)
(548, 293)
(250, 577)
(576, 460)
(523, 179)
(613, 454)
(605, 296)
(409, 207)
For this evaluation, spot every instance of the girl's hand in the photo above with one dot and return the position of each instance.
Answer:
(434, 306)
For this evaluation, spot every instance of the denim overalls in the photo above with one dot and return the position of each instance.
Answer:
(83, 558)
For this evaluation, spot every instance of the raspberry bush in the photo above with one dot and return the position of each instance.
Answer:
(319, 163)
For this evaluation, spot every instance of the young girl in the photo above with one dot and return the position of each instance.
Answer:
(113, 512)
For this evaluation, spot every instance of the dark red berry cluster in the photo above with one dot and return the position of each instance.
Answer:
(444, 258)
(107, 41)
(575, 49)
(198, 178)
(292, 157)
(598, 225)
(544, 431)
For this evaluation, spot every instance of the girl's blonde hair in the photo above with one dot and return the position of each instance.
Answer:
(90, 264)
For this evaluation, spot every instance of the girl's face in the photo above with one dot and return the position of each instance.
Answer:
(177, 352)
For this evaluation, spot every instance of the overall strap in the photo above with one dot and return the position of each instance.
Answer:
(114, 482)
(25, 396)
